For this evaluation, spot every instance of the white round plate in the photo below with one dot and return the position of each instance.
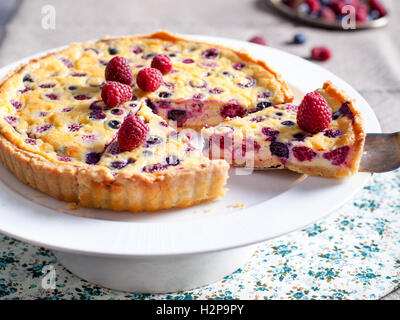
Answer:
(275, 202)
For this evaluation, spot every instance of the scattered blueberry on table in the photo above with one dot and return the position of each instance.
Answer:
(299, 38)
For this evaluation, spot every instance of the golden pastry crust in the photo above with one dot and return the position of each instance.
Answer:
(91, 186)
(165, 190)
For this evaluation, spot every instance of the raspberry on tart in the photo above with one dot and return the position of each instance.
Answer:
(314, 114)
(273, 137)
(114, 93)
(132, 133)
(149, 79)
(119, 70)
(163, 63)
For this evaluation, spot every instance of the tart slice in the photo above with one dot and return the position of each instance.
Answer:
(272, 138)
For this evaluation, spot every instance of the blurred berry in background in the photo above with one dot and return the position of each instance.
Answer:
(333, 10)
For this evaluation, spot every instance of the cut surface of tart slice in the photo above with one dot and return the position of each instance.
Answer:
(272, 138)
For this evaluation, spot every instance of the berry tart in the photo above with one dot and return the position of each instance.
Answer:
(91, 124)
(323, 136)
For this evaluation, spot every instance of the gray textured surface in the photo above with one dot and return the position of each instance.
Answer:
(7, 10)
(368, 60)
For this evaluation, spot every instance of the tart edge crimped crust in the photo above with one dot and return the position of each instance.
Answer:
(182, 188)
(331, 91)
(95, 187)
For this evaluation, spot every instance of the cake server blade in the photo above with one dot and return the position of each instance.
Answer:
(381, 152)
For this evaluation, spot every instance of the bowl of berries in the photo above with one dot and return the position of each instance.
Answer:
(335, 14)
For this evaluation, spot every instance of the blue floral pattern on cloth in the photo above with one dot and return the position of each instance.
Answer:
(352, 254)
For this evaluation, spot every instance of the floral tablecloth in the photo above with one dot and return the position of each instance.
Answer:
(352, 254)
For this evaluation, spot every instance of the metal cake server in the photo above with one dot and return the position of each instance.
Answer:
(317, 22)
(381, 152)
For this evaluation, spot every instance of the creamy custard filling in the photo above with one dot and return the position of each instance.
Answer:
(164, 149)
